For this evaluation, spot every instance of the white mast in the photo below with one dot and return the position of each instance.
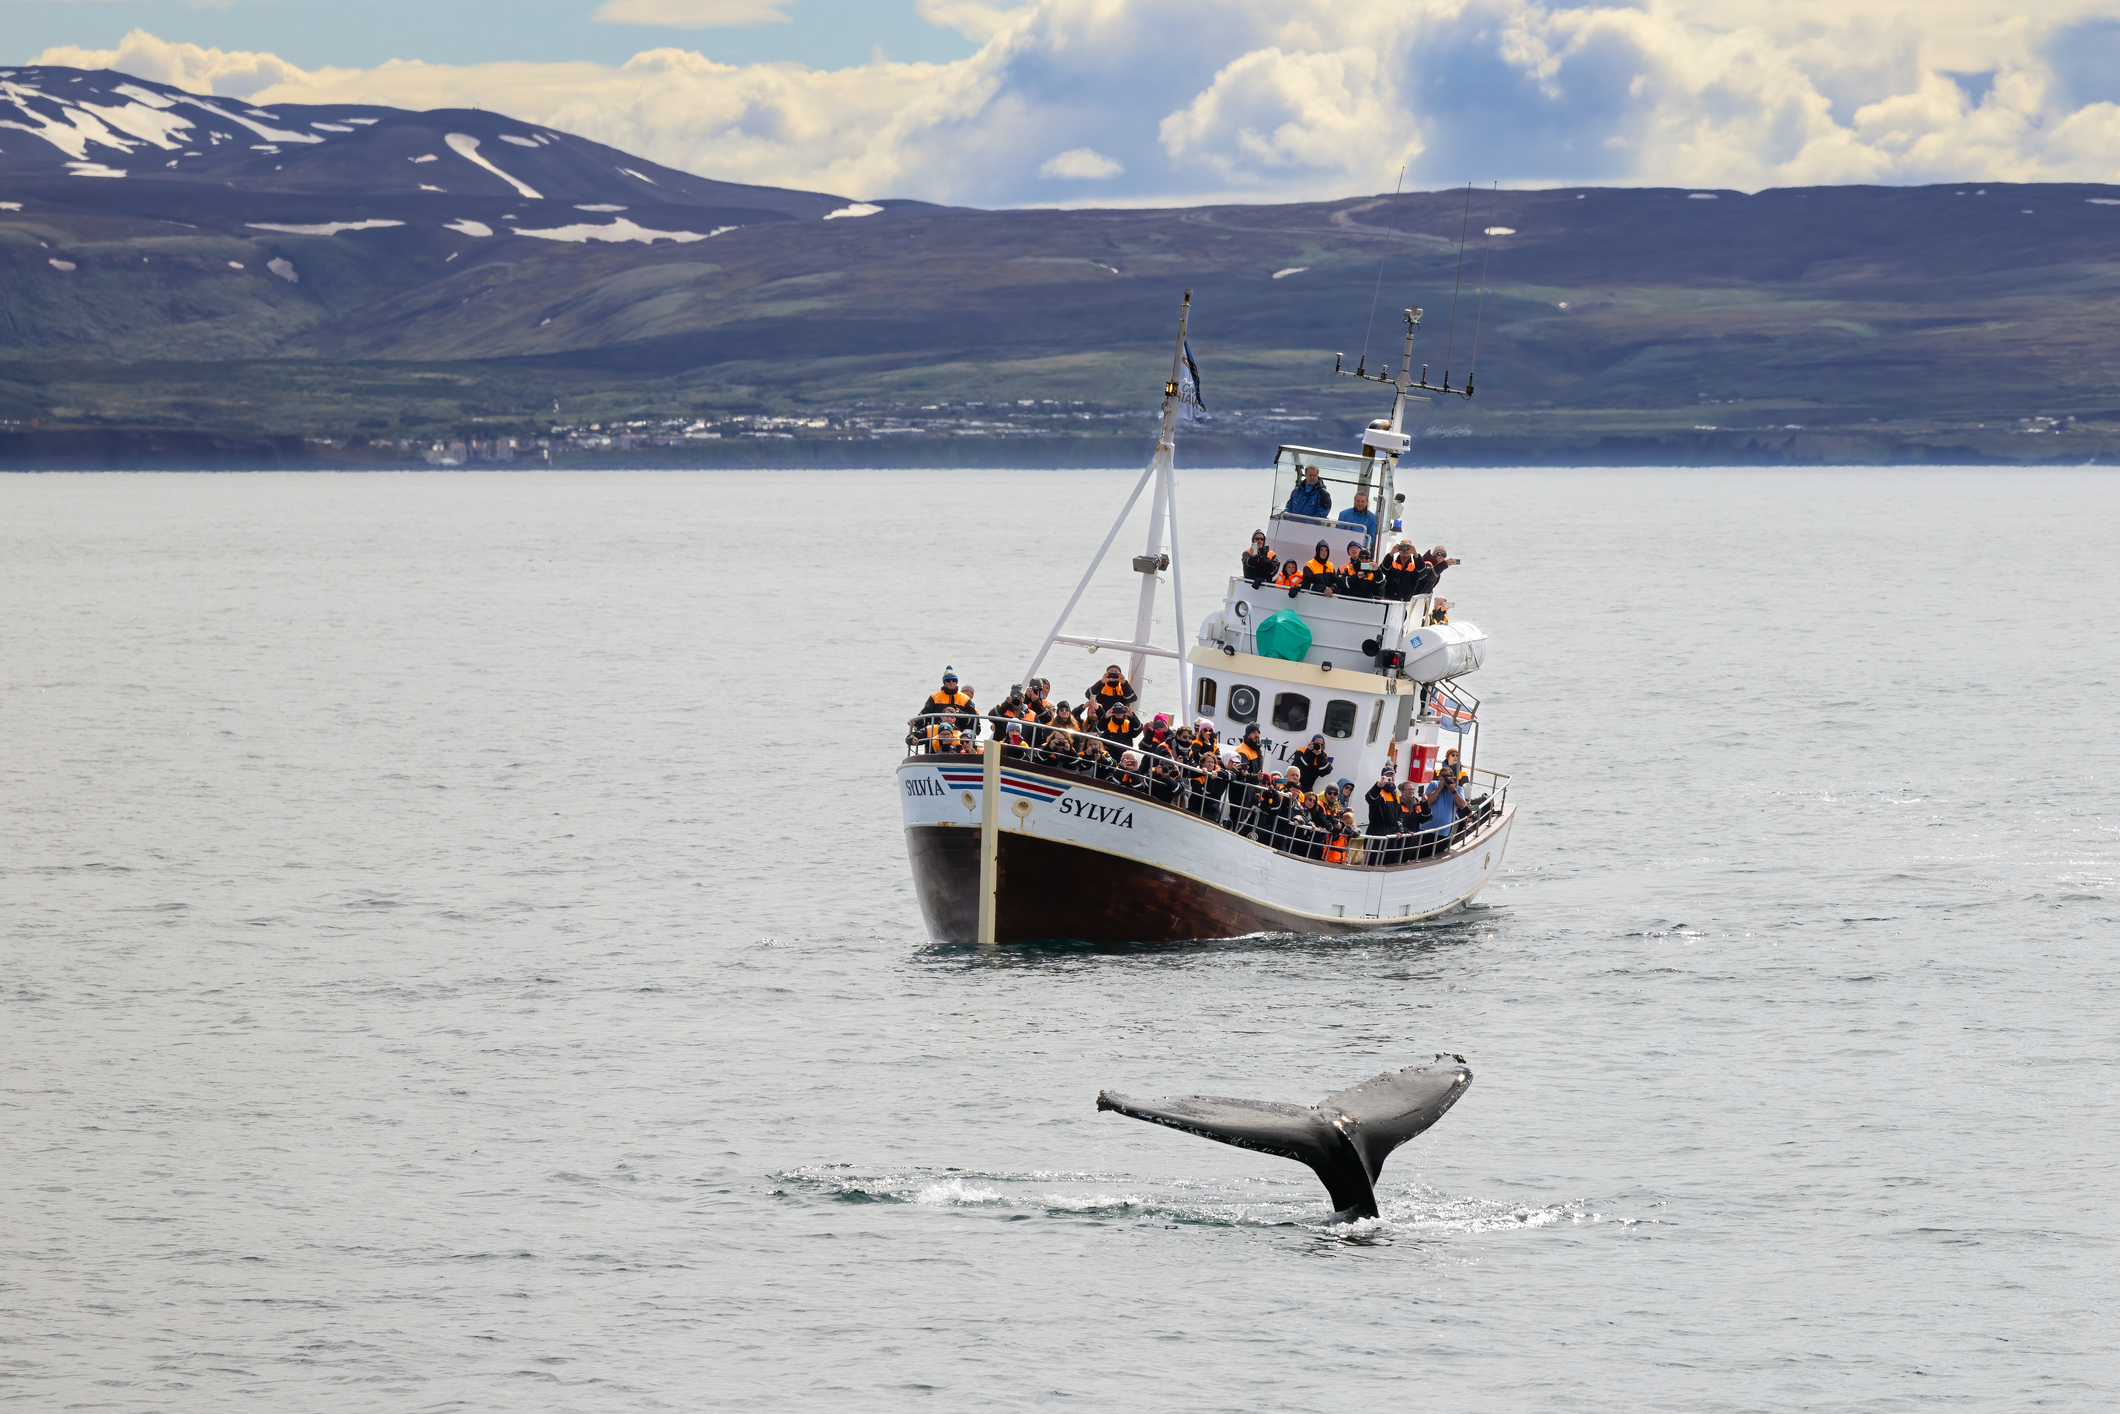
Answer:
(1162, 521)
(1153, 559)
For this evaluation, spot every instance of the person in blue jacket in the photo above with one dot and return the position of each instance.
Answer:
(1360, 514)
(1311, 496)
(1445, 803)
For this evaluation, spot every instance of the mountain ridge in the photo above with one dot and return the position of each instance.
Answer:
(323, 288)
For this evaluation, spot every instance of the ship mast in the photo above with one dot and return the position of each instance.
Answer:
(1160, 554)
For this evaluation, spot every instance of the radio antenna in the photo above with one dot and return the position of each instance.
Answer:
(1480, 309)
(1392, 232)
(1450, 341)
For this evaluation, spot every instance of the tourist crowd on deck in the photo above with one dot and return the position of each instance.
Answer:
(1404, 573)
(1192, 768)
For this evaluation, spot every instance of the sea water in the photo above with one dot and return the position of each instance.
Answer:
(458, 953)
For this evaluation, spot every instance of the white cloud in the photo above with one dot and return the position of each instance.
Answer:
(232, 74)
(1304, 99)
(692, 14)
(1081, 164)
(970, 18)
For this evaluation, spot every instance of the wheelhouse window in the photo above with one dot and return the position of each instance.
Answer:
(1291, 712)
(1339, 719)
(1207, 697)
(1243, 704)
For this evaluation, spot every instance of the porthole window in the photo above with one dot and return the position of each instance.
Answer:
(1207, 696)
(1243, 704)
(1291, 711)
(1339, 719)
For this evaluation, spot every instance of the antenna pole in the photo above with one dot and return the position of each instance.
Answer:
(1450, 341)
(1377, 293)
(1405, 380)
(1481, 308)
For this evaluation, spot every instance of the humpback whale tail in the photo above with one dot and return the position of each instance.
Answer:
(1344, 1138)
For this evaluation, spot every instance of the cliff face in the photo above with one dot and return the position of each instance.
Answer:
(206, 265)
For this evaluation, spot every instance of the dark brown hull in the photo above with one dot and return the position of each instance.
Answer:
(1051, 889)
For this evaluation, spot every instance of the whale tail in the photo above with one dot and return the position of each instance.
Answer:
(1344, 1138)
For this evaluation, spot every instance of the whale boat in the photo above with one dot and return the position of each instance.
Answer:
(1008, 846)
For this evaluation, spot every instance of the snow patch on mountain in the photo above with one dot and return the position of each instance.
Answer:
(165, 130)
(94, 169)
(529, 142)
(622, 229)
(859, 208)
(329, 127)
(469, 227)
(269, 134)
(631, 173)
(326, 228)
(284, 268)
(601, 208)
(144, 95)
(466, 146)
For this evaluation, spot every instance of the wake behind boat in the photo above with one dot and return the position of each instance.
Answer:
(1030, 822)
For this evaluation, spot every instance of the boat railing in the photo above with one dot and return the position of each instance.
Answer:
(1225, 798)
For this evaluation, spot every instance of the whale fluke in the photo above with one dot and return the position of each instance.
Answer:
(1345, 1137)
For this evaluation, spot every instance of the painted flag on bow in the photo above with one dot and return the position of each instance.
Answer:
(1191, 407)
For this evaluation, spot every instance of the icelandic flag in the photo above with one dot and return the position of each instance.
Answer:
(1191, 407)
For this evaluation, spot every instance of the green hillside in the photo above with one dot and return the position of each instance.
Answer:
(1843, 323)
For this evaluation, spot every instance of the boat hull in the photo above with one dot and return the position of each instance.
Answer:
(1079, 860)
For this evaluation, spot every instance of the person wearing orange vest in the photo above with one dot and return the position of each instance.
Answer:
(1112, 687)
(1012, 709)
(1386, 814)
(1156, 736)
(1060, 749)
(947, 701)
(1290, 578)
(1320, 574)
(1119, 727)
(1336, 840)
(1313, 761)
(1363, 579)
(1400, 572)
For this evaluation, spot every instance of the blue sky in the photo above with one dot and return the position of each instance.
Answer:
(823, 33)
(1140, 102)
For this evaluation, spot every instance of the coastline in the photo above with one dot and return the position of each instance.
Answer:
(173, 449)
